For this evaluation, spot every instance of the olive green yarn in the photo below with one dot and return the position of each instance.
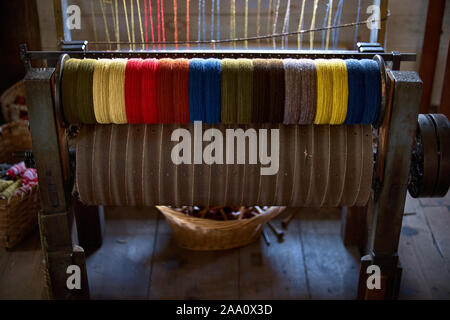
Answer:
(69, 90)
(11, 190)
(84, 98)
(245, 91)
(230, 71)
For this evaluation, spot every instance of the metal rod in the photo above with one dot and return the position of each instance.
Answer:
(295, 54)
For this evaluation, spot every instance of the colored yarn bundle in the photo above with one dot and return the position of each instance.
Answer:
(196, 82)
(230, 71)
(324, 92)
(261, 91)
(308, 96)
(164, 94)
(83, 98)
(276, 90)
(229, 91)
(117, 110)
(340, 91)
(212, 90)
(100, 91)
(16, 170)
(356, 91)
(148, 91)
(180, 70)
(244, 91)
(133, 80)
(293, 90)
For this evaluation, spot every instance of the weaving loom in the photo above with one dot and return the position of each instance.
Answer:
(324, 106)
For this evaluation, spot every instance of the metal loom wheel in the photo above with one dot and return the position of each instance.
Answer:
(443, 136)
(430, 162)
(383, 103)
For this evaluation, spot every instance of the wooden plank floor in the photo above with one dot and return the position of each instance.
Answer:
(139, 260)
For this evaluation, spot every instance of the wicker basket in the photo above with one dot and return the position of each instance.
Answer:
(14, 137)
(18, 215)
(206, 234)
(10, 110)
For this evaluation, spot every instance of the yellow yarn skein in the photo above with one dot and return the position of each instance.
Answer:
(324, 91)
(100, 91)
(340, 91)
(117, 111)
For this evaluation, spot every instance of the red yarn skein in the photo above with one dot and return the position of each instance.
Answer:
(148, 91)
(164, 100)
(133, 90)
(180, 71)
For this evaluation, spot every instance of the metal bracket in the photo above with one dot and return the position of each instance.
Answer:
(369, 47)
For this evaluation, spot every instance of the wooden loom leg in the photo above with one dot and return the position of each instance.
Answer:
(90, 224)
(52, 162)
(396, 138)
(352, 226)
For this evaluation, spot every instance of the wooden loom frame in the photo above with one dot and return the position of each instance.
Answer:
(60, 230)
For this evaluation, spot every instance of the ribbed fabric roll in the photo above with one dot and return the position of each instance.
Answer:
(196, 83)
(180, 70)
(148, 87)
(130, 165)
(117, 110)
(212, 90)
(133, 89)
(324, 91)
(244, 91)
(356, 91)
(100, 91)
(340, 91)
(164, 82)
(276, 80)
(372, 95)
(83, 98)
(293, 90)
(308, 96)
(69, 90)
(261, 91)
(230, 71)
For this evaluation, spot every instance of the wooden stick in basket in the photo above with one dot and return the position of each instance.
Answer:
(279, 233)
(266, 237)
